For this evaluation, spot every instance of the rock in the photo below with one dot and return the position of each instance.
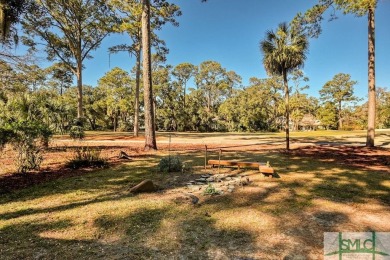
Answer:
(230, 190)
(228, 178)
(231, 187)
(193, 198)
(144, 186)
(187, 198)
(210, 179)
(201, 180)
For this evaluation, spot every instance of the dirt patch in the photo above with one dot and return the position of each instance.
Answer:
(61, 150)
(376, 159)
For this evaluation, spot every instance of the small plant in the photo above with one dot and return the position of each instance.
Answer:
(29, 156)
(211, 190)
(170, 164)
(77, 130)
(86, 157)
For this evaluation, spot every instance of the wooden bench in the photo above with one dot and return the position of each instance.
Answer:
(262, 167)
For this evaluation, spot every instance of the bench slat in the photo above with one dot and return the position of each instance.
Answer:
(262, 168)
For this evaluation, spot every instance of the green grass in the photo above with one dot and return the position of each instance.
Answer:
(93, 216)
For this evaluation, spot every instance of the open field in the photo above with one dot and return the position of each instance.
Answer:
(328, 182)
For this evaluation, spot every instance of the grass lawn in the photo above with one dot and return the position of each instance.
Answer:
(93, 215)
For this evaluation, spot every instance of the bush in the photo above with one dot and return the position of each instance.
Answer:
(24, 136)
(76, 132)
(211, 190)
(29, 156)
(77, 129)
(86, 157)
(170, 164)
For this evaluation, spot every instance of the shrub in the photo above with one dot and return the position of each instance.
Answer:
(86, 157)
(29, 156)
(77, 130)
(170, 164)
(23, 136)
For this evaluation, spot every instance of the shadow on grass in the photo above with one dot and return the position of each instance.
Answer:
(288, 201)
(136, 235)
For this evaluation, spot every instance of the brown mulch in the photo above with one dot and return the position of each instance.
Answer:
(377, 159)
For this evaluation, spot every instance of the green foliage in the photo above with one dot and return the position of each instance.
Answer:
(338, 91)
(310, 21)
(170, 164)
(29, 156)
(383, 108)
(77, 129)
(54, 24)
(77, 132)
(284, 50)
(86, 157)
(10, 15)
(327, 114)
(24, 137)
(253, 109)
(211, 190)
(117, 97)
(23, 116)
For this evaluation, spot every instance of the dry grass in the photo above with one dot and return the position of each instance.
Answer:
(93, 216)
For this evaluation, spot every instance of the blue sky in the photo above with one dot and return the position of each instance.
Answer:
(229, 31)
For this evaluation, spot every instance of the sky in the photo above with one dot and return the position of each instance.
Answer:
(229, 32)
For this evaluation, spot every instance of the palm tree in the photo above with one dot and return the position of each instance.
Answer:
(284, 51)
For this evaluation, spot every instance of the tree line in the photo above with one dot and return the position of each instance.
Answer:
(69, 31)
(187, 97)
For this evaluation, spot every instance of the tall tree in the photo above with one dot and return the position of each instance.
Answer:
(183, 72)
(150, 129)
(116, 86)
(311, 23)
(283, 51)
(232, 80)
(70, 30)
(338, 90)
(211, 79)
(131, 12)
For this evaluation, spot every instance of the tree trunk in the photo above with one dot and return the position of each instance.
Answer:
(287, 104)
(184, 95)
(371, 78)
(136, 101)
(150, 133)
(340, 119)
(79, 90)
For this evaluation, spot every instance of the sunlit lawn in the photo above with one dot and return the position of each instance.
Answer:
(93, 216)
